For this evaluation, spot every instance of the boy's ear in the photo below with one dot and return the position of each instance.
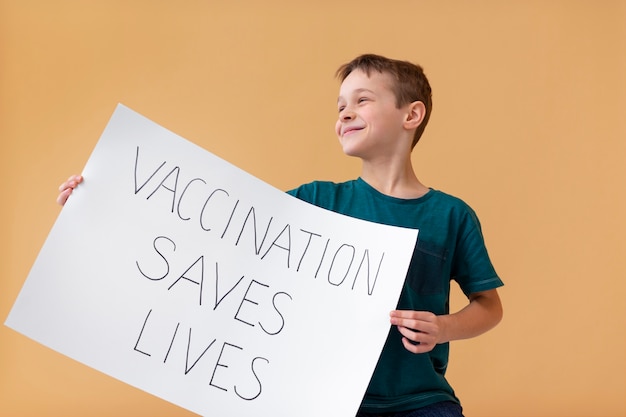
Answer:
(415, 115)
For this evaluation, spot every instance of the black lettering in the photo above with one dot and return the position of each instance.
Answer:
(287, 248)
(141, 333)
(282, 318)
(204, 207)
(183, 194)
(187, 367)
(199, 282)
(173, 187)
(260, 389)
(217, 279)
(257, 248)
(167, 265)
(137, 189)
(332, 265)
(322, 258)
(221, 365)
(311, 234)
(232, 213)
(245, 299)
(370, 288)
(171, 342)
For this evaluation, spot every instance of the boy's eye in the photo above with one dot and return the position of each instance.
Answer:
(341, 108)
(362, 99)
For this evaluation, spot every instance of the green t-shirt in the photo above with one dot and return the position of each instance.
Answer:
(450, 246)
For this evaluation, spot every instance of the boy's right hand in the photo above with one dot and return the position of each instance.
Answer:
(67, 187)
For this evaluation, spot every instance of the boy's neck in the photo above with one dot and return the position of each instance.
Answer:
(399, 182)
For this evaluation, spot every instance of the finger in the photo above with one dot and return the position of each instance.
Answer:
(416, 348)
(408, 333)
(417, 336)
(417, 342)
(72, 182)
(66, 185)
(63, 196)
(411, 314)
(415, 325)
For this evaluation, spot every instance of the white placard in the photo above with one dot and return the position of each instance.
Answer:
(178, 273)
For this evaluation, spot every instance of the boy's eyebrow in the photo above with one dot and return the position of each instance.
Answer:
(358, 91)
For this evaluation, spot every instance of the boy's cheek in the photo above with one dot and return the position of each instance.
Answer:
(338, 128)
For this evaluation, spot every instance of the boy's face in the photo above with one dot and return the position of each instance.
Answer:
(369, 124)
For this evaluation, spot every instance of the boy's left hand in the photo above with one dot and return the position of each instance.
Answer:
(422, 330)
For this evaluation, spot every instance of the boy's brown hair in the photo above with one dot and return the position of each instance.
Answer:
(410, 82)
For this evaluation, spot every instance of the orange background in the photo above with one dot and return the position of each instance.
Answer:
(528, 127)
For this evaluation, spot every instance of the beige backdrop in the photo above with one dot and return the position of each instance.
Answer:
(528, 127)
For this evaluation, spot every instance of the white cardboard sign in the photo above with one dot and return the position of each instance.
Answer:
(176, 272)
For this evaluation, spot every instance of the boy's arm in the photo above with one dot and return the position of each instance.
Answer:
(422, 330)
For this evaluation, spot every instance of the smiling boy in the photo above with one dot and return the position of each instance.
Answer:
(384, 106)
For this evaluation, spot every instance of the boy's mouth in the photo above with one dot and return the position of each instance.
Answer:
(350, 129)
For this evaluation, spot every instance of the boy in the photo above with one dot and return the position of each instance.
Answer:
(384, 106)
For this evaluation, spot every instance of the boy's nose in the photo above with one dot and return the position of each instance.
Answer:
(346, 115)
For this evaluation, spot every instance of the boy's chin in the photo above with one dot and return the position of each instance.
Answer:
(354, 149)
(349, 149)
